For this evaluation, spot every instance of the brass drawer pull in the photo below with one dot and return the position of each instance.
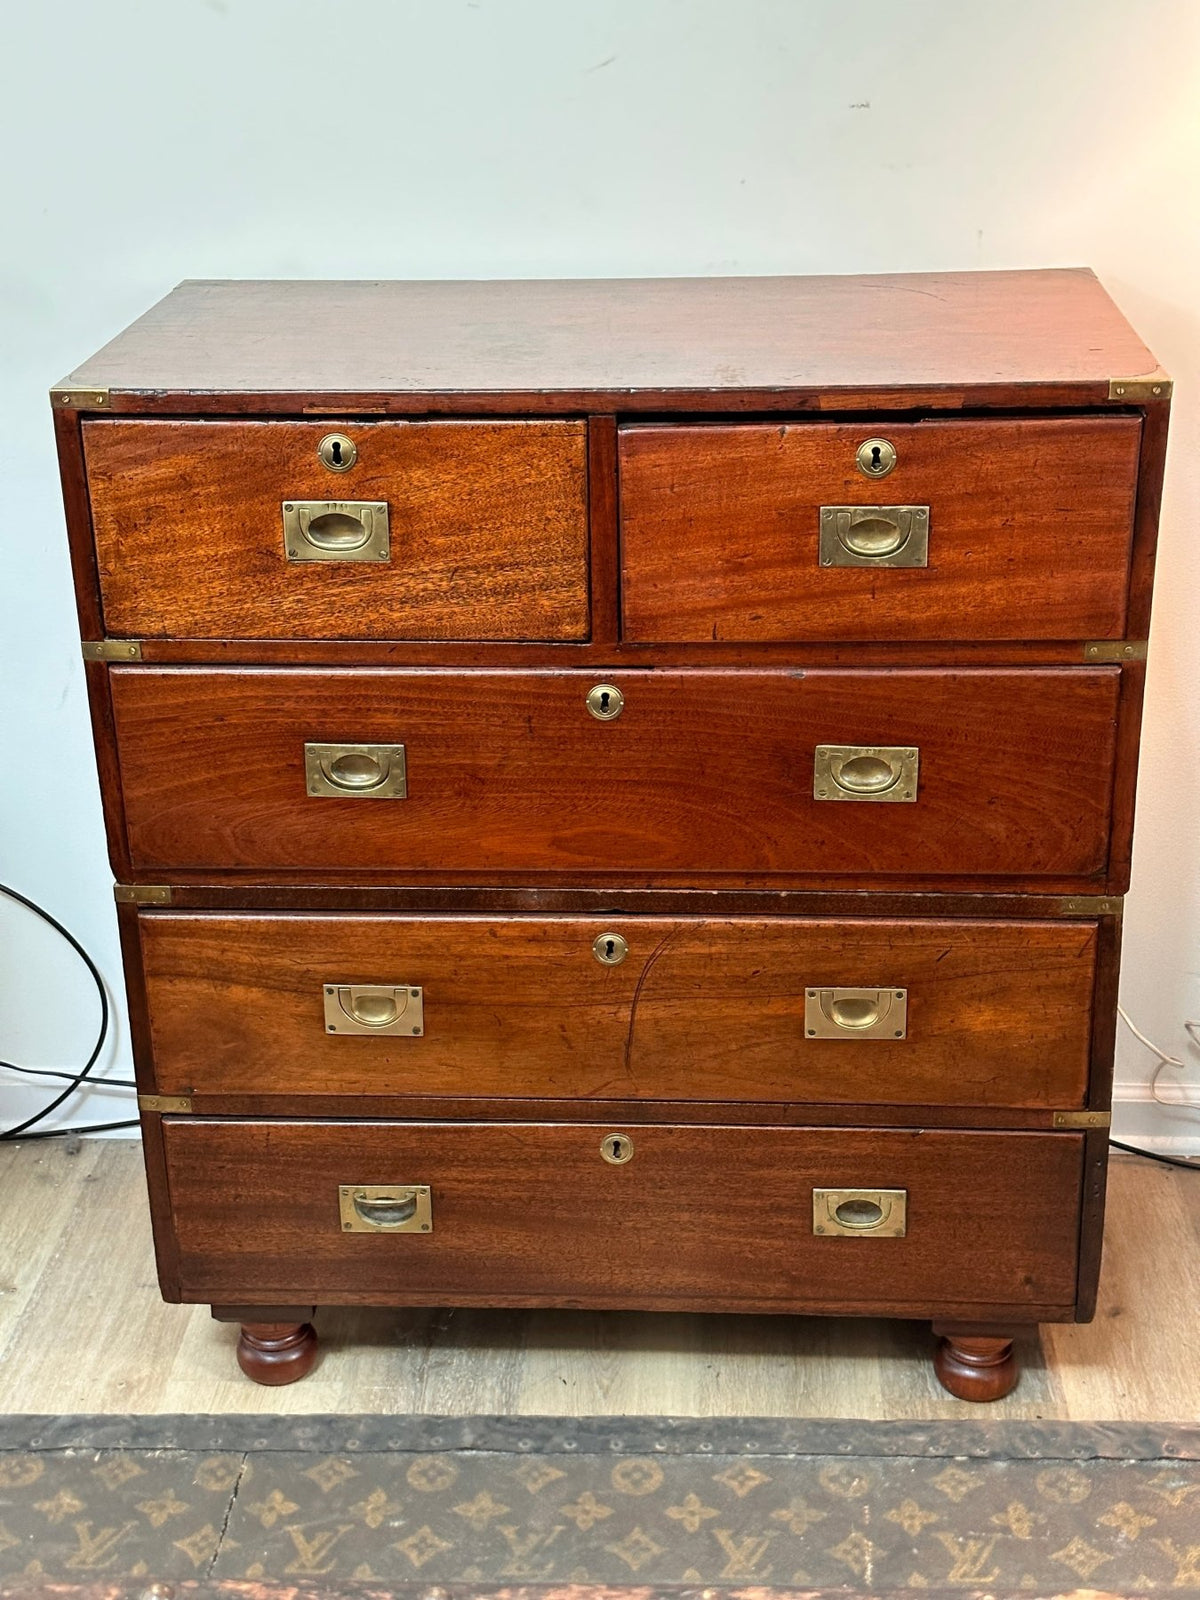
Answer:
(856, 1013)
(356, 771)
(874, 536)
(385, 1208)
(865, 772)
(336, 530)
(862, 1213)
(393, 1009)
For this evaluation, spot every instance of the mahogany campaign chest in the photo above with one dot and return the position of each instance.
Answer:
(621, 792)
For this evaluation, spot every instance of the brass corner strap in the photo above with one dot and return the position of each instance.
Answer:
(1083, 1119)
(142, 894)
(1150, 386)
(1115, 650)
(80, 397)
(112, 649)
(1091, 905)
(164, 1104)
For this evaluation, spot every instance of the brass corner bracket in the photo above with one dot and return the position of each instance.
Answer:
(164, 1104)
(112, 649)
(1092, 905)
(1083, 1119)
(142, 894)
(71, 396)
(1151, 386)
(1115, 650)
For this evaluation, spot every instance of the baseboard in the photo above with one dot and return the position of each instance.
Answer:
(1167, 1129)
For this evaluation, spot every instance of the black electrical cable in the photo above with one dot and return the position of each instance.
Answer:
(74, 1079)
(46, 1072)
(1153, 1155)
(71, 1133)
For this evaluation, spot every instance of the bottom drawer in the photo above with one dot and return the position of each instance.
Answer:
(699, 1218)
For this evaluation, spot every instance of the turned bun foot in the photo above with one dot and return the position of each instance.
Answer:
(975, 1367)
(276, 1352)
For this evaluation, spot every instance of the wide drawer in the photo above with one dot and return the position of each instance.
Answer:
(703, 772)
(485, 538)
(707, 1218)
(853, 1011)
(1020, 529)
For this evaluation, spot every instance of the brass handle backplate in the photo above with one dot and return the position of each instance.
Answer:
(855, 1013)
(394, 1009)
(385, 1208)
(356, 771)
(861, 1213)
(865, 772)
(336, 530)
(874, 536)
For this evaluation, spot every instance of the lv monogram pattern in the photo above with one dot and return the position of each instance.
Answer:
(865, 1523)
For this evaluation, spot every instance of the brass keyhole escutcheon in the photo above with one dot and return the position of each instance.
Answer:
(616, 1148)
(337, 452)
(609, 949)
(875, 457)
(605, 702)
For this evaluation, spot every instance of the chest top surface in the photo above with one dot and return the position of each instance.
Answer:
(625, 341)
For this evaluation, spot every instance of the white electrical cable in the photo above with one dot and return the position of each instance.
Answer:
(1164, 1060)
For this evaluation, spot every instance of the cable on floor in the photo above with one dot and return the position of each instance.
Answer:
(1153, 1155)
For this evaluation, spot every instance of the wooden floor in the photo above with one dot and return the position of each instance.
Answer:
(82, 1329)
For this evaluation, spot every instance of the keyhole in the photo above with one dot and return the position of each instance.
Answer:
(605, 701)
(617, 1149)
(874, 457)
(337, 452)
(609, 949)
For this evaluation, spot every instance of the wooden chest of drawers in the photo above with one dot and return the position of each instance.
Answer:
(621, 792)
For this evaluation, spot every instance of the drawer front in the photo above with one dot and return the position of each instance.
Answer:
(1028, 530)
(486, 529)
(703, 772)
(709, 1218)
(993, 1013)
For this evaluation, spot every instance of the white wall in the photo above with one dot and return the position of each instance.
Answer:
(147, 142)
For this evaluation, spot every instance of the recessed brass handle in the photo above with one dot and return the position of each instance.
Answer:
(861, 1213)
(874, 536)
(393, 1009)
(336, 530)
(356, 771)
(865, 772)
(855, 1013)
(385, 1208)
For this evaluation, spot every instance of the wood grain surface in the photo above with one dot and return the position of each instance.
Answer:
(712, 1218)
(1030, 525)
(488, 525)
(704, 772)
(958, 335)
(713, 1009)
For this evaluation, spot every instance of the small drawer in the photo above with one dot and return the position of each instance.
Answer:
(963, 530)
(706, 1218)
(348, 530)
(1003, 773)
(855, 1011)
